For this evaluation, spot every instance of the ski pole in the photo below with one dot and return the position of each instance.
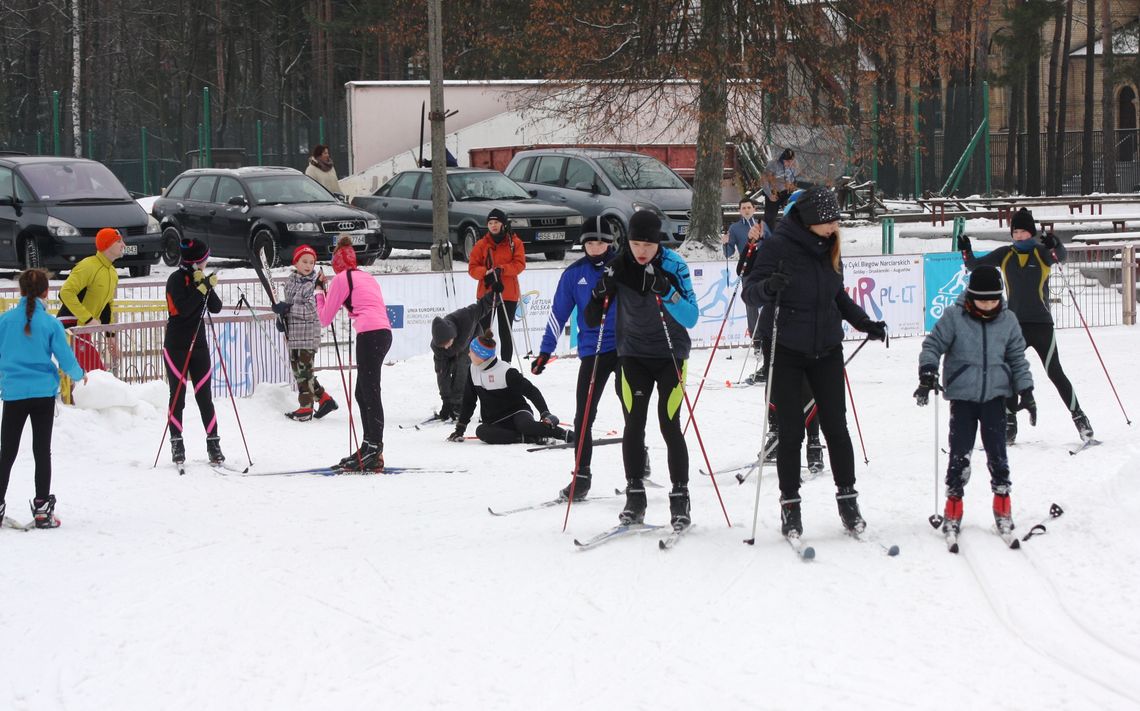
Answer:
(935, 519)
(181, 382)
(1069, 288)
(243, 299)
(582, 425)
(755, 325)
(767, 405)
(229, 389)
(858, 428)
(712, 354)
(352, 440)
(692, 417)
(810, 411)
(521, 311)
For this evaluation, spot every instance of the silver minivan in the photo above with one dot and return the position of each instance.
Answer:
(612, 184)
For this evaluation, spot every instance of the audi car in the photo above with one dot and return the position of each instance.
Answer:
(52, 207)
(403, 204)
(269, 211)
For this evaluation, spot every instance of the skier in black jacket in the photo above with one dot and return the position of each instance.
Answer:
(450, 340)
(1025, 266)
(189, 290)
(799, 273)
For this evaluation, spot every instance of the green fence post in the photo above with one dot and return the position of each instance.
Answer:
(892, 235)
(91, 144)
(986, 115)
(958, 231)
(206, 126)
(259, 154)
(55, 122)
(145, 176)
(321, 130)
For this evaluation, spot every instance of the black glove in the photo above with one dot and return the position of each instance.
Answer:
(490, 278)
(656, 281)
(606, 286)
(875, 330)
(776, 282)
(539, 363)
(1050, 240)
(282, 308)
(927, 381)
(498, 286)
(964, 244)
(549, 418)
(1026, 402)
(457, 435)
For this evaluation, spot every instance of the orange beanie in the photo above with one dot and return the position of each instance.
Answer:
(106, 237)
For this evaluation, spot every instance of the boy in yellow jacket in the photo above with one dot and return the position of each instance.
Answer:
(87, 295)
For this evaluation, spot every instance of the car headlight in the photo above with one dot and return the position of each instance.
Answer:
(373, 224)
(302, 227)
(575, 220)
(59, 228)
(152, 225)
(520, 222)
(650, 207)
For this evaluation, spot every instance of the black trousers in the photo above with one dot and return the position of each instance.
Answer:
(1042, 338)
(519, 427)
(506, 343)
(41, 411)
(639, 376)
(371, 349)
(965, 416)
(197, 380)
(607, 365)
(825, 377)
(451, 379)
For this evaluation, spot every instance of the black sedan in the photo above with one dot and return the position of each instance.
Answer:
(273, 211)
(403, 204)
(51, 208)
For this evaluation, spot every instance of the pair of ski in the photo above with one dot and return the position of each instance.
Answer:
(1008, 537)
(334, 471)
(807, 553)
(433, 420)
(220, 467)
(625, 530)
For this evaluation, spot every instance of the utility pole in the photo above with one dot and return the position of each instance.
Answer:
(440, 243)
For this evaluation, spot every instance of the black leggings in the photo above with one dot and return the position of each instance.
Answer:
(607, 365)
(506, 344)
(371, 349)
(638, 377)
(519, 427)
(1042, 338)
(41, 410)
(825, 377)
(197, 379)
(965, 417)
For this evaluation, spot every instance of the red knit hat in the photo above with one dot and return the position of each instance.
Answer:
(302, 251)
(106, 237)
(344, 258)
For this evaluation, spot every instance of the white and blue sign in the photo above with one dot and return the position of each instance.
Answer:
(945, 277)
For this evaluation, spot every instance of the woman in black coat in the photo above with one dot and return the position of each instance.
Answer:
(799, 274)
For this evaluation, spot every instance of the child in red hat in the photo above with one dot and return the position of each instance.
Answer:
(298, 307)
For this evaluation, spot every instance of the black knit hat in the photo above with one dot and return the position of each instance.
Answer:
(193, 250)
(644, 226)
(985, 283)
(497, 214)
(442, 331)
(1023, 220)
(595, 229)
(817, 206)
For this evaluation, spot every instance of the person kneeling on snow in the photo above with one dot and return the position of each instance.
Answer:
(985, 364)
(502, 393)
(450, 340)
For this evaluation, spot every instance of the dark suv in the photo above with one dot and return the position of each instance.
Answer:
(51, 208)
(270, 210)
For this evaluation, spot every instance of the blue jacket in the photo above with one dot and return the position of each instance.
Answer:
(738, 236)
(574, 287)
(26, 367)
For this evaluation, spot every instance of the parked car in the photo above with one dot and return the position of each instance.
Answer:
(240, 211)
(404, 206)
(610, 184)
(51, 208)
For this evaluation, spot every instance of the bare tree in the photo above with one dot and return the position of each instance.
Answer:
(1107, 99)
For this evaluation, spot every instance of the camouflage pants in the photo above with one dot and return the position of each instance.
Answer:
(308, 389)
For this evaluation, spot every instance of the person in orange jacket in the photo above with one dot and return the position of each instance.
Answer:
(496, 261)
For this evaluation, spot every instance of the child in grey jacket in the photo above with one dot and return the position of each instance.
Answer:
(985, 363)
(303, 334)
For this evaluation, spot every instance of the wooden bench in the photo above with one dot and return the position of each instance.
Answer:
(1118, 221)
(1075, 203)
(937, 207)
(1116, 237)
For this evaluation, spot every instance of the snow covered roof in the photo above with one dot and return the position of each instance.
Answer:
(1125, 41)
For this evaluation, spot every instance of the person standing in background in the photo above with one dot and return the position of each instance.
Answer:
(321, 169)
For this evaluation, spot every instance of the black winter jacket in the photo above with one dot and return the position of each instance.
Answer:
(184, 303)
(814, 304)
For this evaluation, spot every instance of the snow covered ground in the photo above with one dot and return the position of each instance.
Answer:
(401, 592)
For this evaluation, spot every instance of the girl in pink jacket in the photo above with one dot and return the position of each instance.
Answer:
(359, 293)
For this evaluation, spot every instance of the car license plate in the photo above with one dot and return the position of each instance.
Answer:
(683, 229)
(549, 236)
(358, 240)
(130, 249)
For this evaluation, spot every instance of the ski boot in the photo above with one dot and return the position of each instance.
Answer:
(847, 499)
(370, 458)
(301, 414)
(952, 515)
(581, 485)
(1083, 427)
(43, 512)
(177, 450)
(790, 521)
(814, 454)
(1002, 513)
(679, 508)
(634, 511)
(214, 450)
(325, 405)
(1010, 427)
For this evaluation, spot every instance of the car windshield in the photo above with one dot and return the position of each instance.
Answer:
(82, 180)
(639, 173)
(287, 189)
(485, 186)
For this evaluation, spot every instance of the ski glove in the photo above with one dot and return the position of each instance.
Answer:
(875, 330)
(964, 244)
(1050, 240)
(1026, 402)
(927, 381)
(282, 308)
(606, 286)
(539, 363)
(656, 281)
(549, 418)
(205, 282)
(777, 281)
(457, 435)
(492, 277)
(498, 287)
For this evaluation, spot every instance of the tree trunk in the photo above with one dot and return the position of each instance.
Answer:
(1012, 137)
(1057, 178)
(1052, 107)
(1033, 121)
(76, 77)
(440, 253)
(1107, 99)
(1090, 78)
(707, 223)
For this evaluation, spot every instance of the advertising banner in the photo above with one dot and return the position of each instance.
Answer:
(945, 278)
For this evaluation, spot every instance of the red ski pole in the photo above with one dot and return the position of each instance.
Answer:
(856, 413)
(712, 355)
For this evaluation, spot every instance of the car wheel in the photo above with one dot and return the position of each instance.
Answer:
(556, 255)
(469, 237)
(142, 270)
(617, 228)
(171, 252)
(263, 244)
(385, 251)
(32, 257)
(367, 261)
